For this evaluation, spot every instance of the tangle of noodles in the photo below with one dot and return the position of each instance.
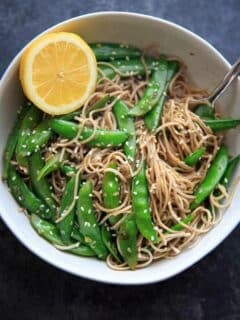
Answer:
(170, 181)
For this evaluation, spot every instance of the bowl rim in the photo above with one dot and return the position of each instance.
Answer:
(129, 280)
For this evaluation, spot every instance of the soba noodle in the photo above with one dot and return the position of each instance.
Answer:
(171, 182)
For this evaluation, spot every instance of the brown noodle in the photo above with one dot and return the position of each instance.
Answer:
(171, 182)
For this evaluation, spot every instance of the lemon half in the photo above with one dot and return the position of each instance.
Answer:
(58, 72)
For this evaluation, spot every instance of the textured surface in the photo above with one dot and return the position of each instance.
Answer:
(31, 289)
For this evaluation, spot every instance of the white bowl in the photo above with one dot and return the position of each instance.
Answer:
(206, 67)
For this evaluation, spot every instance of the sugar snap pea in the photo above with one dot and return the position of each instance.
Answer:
(229, 172)
(41, 187)
(65, 226)
(31, 119)
(51, 165)
(50, 233)
(101, 102)
(212, 178)
(111, 199)
(126, 68)
(68, 170)
(111, 191)
(88, 225)
(69, 116)
(126, 124)
(153, 92)
(194, 157)
(222, 124)
(102, 138)
(98, 105)
(109, 243)
(153, 117)
(76, 235)
(141, 206)
(112, 51)
(12, 141)
(25, 197)
(127, 241)
(38, 137)
(187, 220)
(204, 111)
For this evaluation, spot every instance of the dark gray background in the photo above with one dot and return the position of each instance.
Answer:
(31, 289)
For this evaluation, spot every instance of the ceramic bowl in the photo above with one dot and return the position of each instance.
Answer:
(206, 67)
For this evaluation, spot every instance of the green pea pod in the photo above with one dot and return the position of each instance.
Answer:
(12, 141)
(68, 170)
(229, 172)
(31, 119)
(88, 225)
(102, 138)
(126, 124)
(194, 157)
(50, 233)
(76, 235)
(126, 68)
(111, 192)
(212, 178)
(204, 111)
(99, 104)
(51, 165)
(153, 92)
(127, 241)
(187, 220)
(153, 117)
(222, 124)
(109, 243)
(41, 187)
(25, 197)
(141, 206)
(112, 51)
(69, 116)
(65, 226)
(39, 137)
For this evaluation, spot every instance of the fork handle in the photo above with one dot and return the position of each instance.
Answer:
(228, 79)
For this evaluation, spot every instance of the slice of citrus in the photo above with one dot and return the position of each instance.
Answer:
(58, 72)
